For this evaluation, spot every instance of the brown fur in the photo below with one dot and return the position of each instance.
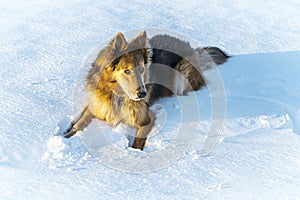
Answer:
(118, 87)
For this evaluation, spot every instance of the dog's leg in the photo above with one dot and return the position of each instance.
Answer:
(143, 132)
(82, 121)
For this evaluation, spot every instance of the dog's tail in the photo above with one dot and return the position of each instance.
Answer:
(80, 123)
(208, 54)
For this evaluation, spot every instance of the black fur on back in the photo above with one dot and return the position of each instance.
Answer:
(167, 50)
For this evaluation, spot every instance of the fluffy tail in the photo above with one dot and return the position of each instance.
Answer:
(208, 54)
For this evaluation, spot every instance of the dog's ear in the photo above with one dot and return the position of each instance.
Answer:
(140, 42)
(118, 43)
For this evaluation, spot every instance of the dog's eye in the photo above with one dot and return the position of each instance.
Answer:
(127, 71)
(142, 69)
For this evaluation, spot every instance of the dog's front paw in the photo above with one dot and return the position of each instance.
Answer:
(69, 133)
(139, 143)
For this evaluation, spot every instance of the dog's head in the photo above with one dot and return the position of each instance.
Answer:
(130, 65)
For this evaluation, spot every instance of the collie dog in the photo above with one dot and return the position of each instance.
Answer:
(128, 76)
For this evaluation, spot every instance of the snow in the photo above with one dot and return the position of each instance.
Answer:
(256, 154)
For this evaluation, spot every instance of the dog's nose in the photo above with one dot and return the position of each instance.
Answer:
(141, 94)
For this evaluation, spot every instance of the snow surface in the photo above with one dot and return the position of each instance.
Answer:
(43, 45)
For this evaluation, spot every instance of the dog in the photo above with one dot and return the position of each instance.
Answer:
(128, 76)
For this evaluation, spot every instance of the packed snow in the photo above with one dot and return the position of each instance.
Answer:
(45, 46)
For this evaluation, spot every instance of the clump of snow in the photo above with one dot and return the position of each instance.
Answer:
(55, 146)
